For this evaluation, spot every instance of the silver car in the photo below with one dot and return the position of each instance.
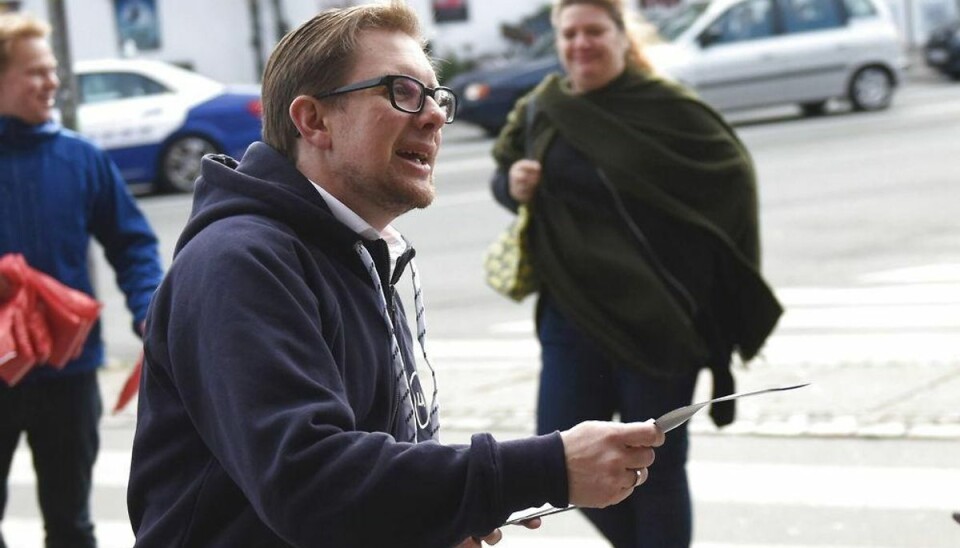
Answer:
(752, 53)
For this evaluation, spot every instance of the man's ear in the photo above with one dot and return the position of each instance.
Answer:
(308, 114)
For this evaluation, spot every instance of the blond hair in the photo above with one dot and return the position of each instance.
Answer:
(17, 26)
(616, 10)
(316, 57)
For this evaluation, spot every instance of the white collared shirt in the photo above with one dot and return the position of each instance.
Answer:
(395, 242)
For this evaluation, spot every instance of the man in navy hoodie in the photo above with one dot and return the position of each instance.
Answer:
(58, 190)
(280, 403)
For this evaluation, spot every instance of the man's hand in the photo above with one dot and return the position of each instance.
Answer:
(5, 289)
(606, 460)
(495, 536)
(477, 542)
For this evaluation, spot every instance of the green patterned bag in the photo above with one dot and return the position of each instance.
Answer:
(507, 261)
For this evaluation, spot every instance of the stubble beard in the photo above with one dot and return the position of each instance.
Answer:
(393, 196)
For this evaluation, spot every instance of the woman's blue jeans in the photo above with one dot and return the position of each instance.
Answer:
(578, 384)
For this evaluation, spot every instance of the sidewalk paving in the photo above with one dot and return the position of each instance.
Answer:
(897, 399)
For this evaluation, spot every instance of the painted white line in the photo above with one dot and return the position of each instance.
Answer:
(884, 488)
(836, 348)
(28, 533)
(912, 293)
(117, 534)
(783, 347)
(754, 483)
(872, 317)
(461, 165)
(112, 468)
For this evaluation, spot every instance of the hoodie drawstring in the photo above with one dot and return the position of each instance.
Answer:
(404, 390)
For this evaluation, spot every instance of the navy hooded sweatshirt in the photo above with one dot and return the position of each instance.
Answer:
(267, 409)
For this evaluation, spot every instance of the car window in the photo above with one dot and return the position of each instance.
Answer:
(676, 23)
(748, 20)
(110, 86)
(860, 8)
(809, 15)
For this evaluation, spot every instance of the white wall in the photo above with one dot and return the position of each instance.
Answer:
(481, 34)
(214, 36)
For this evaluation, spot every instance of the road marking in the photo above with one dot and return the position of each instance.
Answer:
(117, 534)
(817, 486)
(822, 486)
(28, 533)
(908, 321)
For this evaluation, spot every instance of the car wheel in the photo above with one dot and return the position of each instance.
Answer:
(817, 108)
(871, 88)
(180, 162)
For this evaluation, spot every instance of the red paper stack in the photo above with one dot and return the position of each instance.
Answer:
(41, 321)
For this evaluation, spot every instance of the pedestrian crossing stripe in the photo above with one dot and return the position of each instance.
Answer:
(823, 486)
(28, 533)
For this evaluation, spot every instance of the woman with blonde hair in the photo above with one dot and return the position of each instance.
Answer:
(644, 236)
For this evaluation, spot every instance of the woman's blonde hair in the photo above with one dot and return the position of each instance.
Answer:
(17, 26)
(316, 57)
(617, 12)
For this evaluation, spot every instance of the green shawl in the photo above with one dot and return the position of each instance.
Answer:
(661, 146)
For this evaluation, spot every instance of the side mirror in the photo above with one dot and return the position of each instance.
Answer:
(709, 37)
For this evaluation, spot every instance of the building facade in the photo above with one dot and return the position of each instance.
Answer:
(229, 39)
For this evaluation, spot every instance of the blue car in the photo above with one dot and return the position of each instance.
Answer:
(487, 95)
(942, 50)
(158, 120)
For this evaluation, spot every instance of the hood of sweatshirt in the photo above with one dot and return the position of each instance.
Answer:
(267, 184)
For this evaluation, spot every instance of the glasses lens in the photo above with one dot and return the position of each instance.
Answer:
(447, 101)
(407, 94)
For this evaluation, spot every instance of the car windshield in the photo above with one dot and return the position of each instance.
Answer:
(542, 46)
(674, 24)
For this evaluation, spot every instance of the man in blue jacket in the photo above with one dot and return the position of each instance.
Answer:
(280, 403)
(56, 191)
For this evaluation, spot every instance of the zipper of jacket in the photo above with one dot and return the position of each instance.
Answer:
(658, 266)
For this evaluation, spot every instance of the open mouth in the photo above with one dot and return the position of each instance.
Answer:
(413, 156)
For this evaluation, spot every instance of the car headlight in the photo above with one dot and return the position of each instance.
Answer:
(476, 92)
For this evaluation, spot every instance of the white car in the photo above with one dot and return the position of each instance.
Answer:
(751, 53)
(157, 120)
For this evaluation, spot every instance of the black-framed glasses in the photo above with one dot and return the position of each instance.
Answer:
(407, 94)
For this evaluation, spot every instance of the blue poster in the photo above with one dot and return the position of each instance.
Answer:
(138, 24)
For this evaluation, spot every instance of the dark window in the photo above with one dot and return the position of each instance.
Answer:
(860, 8)
(748, 20)
(808, 15)
(110, 86)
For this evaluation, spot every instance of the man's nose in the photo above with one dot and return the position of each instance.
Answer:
(433, 114)
(52, 79)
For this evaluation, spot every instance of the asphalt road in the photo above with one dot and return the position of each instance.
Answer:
(859, 213)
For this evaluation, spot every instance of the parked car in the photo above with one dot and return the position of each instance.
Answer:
(487, 95)
(740, 54)
(942, 50)
(157, 120)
